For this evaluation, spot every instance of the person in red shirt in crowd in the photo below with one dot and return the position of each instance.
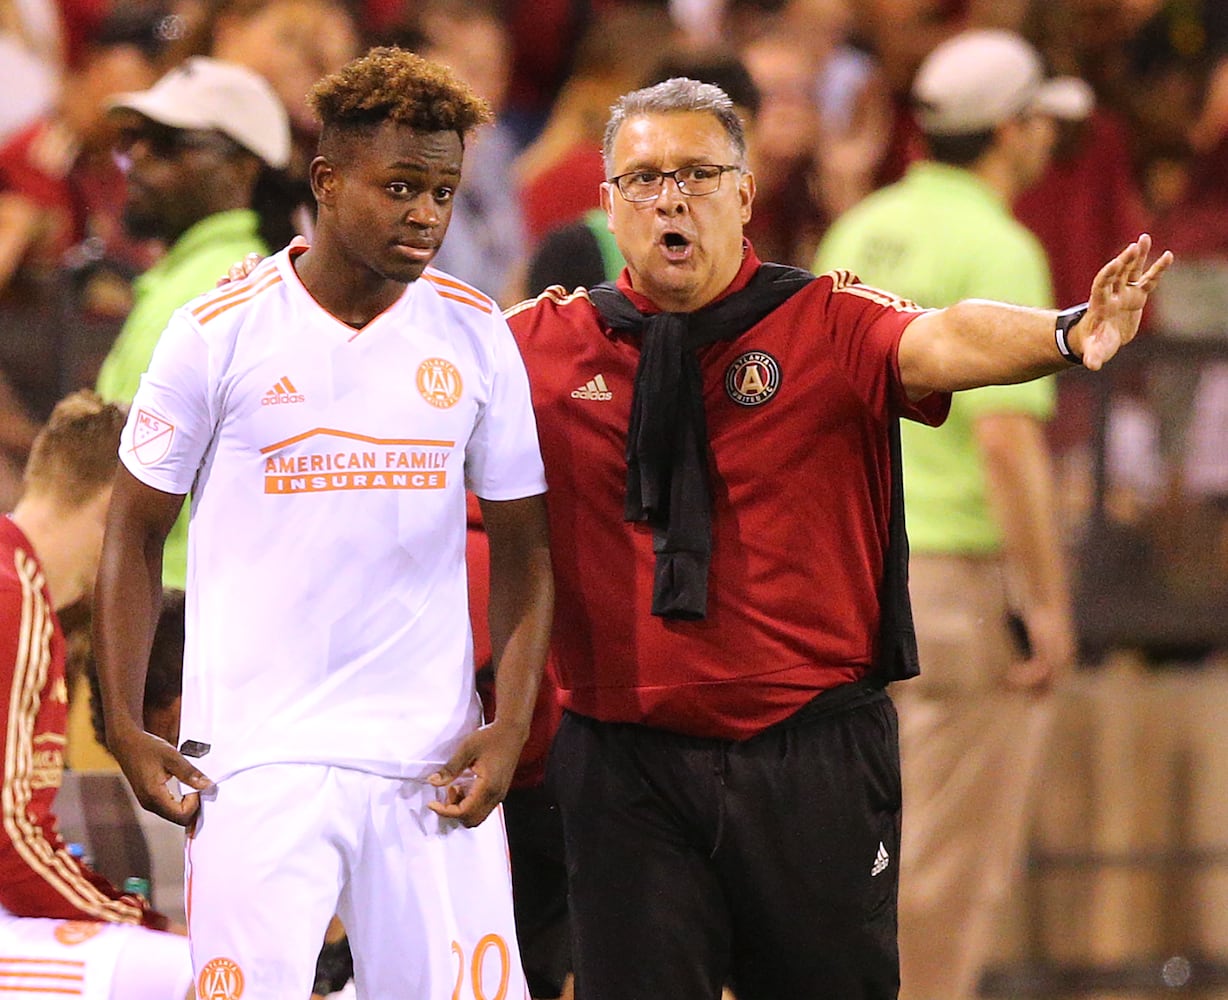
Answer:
(560, 172)
(58, 181)
(62, 924)
(60, 191)
(731, 569)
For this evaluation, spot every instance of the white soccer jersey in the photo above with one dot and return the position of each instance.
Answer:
(327, 616)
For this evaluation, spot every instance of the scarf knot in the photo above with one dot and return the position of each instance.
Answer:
(667, 438)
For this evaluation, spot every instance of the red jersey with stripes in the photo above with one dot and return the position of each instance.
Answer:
(797, 412)
(38, 877)
(326, 612)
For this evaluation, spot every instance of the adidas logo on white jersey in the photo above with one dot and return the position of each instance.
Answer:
(594, 388)
(881, 860)
(282, 392)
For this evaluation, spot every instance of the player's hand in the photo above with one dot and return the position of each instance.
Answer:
(1052, 637)
(241, 269)
(478, 775)
(1115, 306)
(149, 762)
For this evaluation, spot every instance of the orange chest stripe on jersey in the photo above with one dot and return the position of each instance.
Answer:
(332, 432)
(72, 963)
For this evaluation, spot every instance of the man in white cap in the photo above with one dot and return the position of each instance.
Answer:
(198, 146)
(988, 579)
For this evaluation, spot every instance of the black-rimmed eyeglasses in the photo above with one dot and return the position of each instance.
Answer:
(693, 180)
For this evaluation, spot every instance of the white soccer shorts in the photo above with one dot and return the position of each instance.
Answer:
(278, 849)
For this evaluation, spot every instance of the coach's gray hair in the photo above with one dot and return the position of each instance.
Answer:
(677, 94)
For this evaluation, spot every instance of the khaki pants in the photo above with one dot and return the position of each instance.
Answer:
(970, 750)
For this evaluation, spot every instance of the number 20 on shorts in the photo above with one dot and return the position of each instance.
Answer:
(477, 979)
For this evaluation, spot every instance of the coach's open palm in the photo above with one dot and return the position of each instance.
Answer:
(1115, 307)
(149, 763)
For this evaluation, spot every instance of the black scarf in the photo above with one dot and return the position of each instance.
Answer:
(667, 455)
(667, 440)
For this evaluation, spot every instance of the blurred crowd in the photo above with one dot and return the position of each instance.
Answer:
(824, 87)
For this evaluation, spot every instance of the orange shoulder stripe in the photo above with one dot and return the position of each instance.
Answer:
(465, 301)
(212, 309)
(230, 291)
(440, 279)
(457, 292)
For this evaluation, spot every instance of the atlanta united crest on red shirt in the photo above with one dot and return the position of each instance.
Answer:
(753, 378)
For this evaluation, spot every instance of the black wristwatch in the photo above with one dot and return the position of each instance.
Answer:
(1065, 320)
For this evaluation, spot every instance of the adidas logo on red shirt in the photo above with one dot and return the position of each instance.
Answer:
(594, 388)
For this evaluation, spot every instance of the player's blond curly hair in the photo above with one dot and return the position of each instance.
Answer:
(391, 84)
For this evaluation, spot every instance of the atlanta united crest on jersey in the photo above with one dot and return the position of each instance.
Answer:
(327, 614)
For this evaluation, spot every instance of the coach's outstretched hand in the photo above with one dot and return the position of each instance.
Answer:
(478, 775)
(1115, 306)
(149, 763)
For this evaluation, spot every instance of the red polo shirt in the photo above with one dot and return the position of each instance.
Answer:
(797, 410)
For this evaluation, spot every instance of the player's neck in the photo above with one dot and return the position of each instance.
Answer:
(353, 296)
(66, 543)
(996, 172)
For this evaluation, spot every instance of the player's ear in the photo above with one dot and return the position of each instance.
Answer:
(323, 177)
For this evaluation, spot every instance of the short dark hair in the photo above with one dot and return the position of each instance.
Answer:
(391, 84)
(76, 453)
(145, 27)
(164, 678)
(961, 150)
(678, 94)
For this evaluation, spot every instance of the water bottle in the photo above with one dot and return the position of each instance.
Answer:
(134, 885)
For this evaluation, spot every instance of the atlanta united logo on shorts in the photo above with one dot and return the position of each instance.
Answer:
(220, 979)
(151, 437)
(753, 378)
(439, 382)
(77, 931)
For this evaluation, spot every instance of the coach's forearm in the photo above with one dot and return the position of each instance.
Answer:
(976, 343)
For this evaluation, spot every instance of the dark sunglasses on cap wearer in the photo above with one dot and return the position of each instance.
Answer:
(167, 143)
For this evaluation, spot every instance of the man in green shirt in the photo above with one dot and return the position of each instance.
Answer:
(195, 145)
(980, 502)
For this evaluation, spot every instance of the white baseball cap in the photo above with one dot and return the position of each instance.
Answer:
(204, 93)
(983, 77)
